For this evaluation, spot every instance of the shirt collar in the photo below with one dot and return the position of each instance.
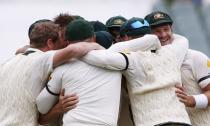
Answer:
(34, 49)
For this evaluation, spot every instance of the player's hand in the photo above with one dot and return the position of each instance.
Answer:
(189, 101)
(66, 102)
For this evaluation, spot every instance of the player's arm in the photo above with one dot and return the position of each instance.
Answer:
(201, 66)
(64, 104)
(22, 49)
(49, 96)
(76, 50)
(179, 46)
(147, 42)
(49, 60)
(119, 61)
(107, 59)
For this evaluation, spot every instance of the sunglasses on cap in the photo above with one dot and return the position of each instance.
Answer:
(139, 24)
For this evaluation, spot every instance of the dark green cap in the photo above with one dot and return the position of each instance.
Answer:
(134, 27)
(76, 17)
(104, 38)
(158, 18)
(116, 21)
(98, 26)
(79, 30)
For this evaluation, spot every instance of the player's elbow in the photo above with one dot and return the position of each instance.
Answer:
(40, 106)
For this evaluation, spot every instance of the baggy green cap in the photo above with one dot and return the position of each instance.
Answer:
(79, 30)
(116, 21)
(158, 18)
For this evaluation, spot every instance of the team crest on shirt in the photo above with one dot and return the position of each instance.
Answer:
(126, 51)
(50, 77)
(208, 63)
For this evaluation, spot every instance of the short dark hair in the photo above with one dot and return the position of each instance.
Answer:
(63, 19)
(42, 32)
(32, 25)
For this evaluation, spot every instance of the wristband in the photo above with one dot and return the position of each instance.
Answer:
(201, 101)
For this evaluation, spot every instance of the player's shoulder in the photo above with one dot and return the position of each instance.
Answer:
(195, 55)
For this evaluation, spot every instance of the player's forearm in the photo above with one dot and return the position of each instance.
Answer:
(147, 42)
(73, 51)
(206, 91)
(105, 59)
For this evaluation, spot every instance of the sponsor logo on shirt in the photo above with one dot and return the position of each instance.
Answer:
(208, 63)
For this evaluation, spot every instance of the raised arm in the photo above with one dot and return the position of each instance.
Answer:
(118, 61)
(49, 60)
(147, 42)
(76, 50)
(107, 59)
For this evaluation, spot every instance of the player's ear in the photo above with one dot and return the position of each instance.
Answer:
(50, 44)
(92, 39)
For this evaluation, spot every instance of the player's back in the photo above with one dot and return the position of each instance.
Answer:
(152, 78)
(17, 102)
(99, 94)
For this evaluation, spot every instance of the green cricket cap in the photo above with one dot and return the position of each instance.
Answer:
(158, 18)
(116, 21)
(79, 30)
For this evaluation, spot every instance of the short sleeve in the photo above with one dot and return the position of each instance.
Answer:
(49, 95)
(44, 63)
(201, 66)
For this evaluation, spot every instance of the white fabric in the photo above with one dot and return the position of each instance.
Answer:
(152, 91)
(151, 78)
(201, 101)
(147, 42)
(104, 59)
(193, 68)
(98, 91)
(42, 69)
(18, 106)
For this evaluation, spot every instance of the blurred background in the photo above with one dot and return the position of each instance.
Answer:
(191, 17)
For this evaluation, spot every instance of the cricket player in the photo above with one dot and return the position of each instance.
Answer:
(195, 72)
